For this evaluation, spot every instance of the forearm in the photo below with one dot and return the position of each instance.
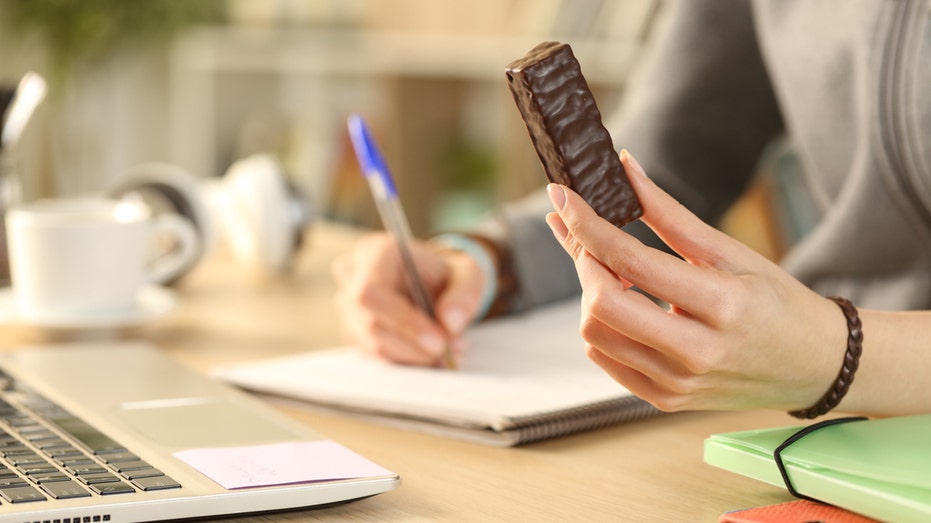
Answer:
(893, 374)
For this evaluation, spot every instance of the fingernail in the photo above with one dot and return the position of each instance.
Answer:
(557, 195)
(434, 344)
(557, 226)
(633, 163)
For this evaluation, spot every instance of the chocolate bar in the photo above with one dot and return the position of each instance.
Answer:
(566, 129)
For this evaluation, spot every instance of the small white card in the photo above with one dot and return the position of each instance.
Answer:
(280, 464)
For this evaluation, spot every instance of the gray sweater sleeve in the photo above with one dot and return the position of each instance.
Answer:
(697, 113)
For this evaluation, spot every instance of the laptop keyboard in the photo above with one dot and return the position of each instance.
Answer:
(46, 453)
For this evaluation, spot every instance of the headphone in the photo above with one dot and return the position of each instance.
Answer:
(253, 208)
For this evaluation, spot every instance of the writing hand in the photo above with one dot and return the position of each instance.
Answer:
(375, 309)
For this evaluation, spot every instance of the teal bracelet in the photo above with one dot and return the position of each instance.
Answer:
(474, 249)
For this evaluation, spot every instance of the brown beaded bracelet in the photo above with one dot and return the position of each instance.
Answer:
(851, 362)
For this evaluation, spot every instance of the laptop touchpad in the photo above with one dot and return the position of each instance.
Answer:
(201, 422)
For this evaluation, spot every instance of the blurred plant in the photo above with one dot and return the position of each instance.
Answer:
(472, 166)
(79, 32)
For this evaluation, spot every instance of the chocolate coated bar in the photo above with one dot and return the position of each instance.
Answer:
(566, 129)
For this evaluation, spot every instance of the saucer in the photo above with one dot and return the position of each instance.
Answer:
(151, 302)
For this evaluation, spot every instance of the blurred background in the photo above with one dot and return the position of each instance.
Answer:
(203, 83)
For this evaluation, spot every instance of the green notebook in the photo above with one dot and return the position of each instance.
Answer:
(879, 468)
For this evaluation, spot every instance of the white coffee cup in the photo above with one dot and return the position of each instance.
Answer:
(90, 256)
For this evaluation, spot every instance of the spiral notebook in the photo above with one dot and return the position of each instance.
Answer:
(524, 378)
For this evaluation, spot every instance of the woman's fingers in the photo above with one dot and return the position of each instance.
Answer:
(695, 285)
(662, 275)
(376, 312)
(633, 380)
(667, 372)
(386, 323)
(675, 337)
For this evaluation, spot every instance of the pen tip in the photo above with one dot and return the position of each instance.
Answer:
(449, 360)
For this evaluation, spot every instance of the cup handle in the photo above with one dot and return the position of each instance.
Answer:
(167, 268)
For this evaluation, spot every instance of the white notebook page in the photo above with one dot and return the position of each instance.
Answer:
(516, 366)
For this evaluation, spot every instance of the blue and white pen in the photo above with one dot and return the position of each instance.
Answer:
(392, 214)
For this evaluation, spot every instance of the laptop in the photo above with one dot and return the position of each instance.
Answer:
(117, 431)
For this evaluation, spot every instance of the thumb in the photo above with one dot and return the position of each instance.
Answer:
(458, 303)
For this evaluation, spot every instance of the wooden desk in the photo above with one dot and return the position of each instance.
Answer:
(645, 471)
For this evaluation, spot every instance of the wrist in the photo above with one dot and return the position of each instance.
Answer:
(850, 364)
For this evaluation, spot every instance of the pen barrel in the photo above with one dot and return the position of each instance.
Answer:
(395, 221)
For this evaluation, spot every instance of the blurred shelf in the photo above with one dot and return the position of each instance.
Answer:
(417, 88)
(363, 54)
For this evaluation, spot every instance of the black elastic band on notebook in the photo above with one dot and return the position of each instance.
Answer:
(777, 454)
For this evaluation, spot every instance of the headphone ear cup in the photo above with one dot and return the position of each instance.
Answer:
(169, 188)
(263, 215)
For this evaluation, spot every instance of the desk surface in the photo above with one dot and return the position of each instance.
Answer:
(650, 470)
